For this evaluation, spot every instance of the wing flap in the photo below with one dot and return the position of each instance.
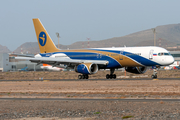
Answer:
(50, 60)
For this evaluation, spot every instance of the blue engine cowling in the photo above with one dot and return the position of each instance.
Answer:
(86, 68)
(136, 70)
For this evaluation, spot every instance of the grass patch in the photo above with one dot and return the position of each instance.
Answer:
(69, 96)
(126, 117)
(97, 113)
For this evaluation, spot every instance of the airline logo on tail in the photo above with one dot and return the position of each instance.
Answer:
(42, 38)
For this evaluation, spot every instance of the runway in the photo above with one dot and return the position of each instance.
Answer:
(104, 90)
(91, 79)
(84, 99)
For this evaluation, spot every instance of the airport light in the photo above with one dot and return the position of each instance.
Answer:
(88, 42)
(57, 34)
(154, 31)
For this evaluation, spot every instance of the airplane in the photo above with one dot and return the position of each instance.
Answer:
(175, 65)
(91, 60)
(23, 69)
(49, 67)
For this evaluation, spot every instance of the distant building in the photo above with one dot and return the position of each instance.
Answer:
(9, 63)
(4, 62)
(176, 55)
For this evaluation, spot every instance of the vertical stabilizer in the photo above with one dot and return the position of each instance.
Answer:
(46, 45)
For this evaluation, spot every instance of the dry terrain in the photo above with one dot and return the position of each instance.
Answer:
(31, 75)
(91, 89)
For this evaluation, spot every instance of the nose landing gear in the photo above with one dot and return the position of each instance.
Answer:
(154, 75)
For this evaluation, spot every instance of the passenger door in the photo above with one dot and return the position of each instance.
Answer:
(121, 55)
(151, 54)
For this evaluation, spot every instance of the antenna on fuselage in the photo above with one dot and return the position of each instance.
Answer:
(88, 42)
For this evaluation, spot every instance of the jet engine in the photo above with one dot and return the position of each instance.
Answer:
(136, 70)
(86, 68)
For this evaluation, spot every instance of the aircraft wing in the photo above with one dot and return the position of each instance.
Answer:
(57, 61)
(23, 55)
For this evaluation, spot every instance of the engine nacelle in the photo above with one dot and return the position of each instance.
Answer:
(86, 68)
(136, 70)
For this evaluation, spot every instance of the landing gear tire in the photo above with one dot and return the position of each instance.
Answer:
(111, 76)
(107, 76)
(154, 76)
(83, 76)
(114, 76)
(79, 76)
(86, 76)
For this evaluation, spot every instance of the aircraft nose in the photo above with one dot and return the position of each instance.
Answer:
(168, 60)
(171, 60)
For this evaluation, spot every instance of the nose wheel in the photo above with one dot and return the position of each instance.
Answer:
(83, 76)
(154, 75)
(111, 76)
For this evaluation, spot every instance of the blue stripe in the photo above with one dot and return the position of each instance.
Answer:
(97, 56)
(88, 56)
(140, 59)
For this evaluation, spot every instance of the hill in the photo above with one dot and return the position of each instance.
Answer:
(166, 35)
(28, 47)
(4, 49)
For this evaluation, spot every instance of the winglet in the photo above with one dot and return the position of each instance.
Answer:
(46, 44)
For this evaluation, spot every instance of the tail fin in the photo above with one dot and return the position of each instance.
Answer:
(46, 45)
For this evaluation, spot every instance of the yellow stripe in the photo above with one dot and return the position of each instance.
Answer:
(88, 66)
(126, 61)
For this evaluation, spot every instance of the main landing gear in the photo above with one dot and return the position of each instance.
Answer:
(84, 76)
(111, 74)
(154, 75)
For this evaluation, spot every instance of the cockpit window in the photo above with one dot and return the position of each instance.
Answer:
(165, 54)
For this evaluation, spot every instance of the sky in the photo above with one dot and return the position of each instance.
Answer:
(77, 20)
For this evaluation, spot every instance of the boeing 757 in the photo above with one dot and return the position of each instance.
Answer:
(91, 60)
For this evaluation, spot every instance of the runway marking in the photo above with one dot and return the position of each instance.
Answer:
(46, 80)
(83, 99)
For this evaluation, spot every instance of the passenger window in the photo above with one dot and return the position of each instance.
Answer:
(160, 54)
